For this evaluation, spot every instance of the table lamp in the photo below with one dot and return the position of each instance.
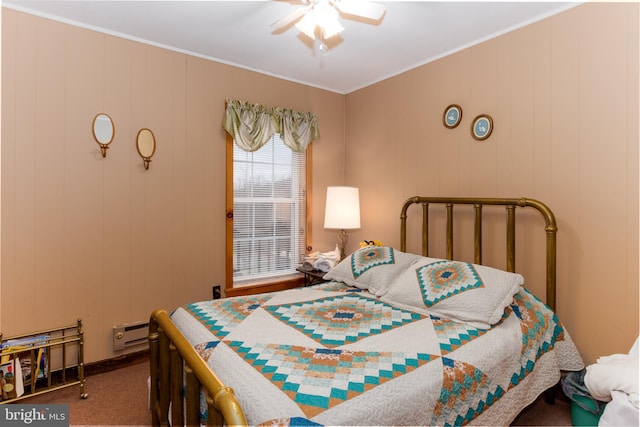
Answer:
(342, 212)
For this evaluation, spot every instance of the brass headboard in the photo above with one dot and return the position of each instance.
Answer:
(510, 205)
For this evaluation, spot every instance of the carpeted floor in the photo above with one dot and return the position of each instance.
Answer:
(119, 398)
(543, 414)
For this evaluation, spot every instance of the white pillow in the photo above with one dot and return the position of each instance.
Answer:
(373, 268)
(455, 290)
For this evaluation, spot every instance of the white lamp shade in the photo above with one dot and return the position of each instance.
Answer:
(342, 210)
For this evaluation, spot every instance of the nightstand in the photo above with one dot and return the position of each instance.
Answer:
(312, 277)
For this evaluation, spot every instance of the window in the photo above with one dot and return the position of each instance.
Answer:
(269, 212)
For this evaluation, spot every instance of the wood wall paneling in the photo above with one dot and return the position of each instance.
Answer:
(107, 241)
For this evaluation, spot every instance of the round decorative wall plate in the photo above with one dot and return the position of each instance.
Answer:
(452, 116)
(481, 127)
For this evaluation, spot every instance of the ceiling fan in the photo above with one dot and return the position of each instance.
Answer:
(322, 16)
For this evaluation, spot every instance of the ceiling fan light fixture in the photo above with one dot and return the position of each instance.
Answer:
(323, 16)
(327, 19)
(307, 25)
(330, 31)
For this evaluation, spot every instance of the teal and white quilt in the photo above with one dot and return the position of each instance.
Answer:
(337, 355)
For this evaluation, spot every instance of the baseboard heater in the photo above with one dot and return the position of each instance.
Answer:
(129, 335)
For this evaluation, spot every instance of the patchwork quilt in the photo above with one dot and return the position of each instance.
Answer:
(334, 354)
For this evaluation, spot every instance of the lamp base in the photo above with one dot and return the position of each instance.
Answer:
(342, 243)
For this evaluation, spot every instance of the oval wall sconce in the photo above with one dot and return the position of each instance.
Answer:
(103, 131)
(146, 145)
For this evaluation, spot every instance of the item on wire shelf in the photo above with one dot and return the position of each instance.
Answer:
(14, 362)
(11, 383)
(327, 260)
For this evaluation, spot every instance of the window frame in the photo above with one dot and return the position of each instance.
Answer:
(268, 285)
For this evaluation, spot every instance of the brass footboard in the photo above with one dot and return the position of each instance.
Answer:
(178, 374)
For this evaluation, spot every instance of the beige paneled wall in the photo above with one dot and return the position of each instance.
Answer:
(101, 238)
(107, 241)
(563, 94)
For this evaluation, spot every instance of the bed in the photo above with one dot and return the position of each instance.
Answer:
(392, 338)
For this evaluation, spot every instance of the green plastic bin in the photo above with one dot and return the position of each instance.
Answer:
(580, 416)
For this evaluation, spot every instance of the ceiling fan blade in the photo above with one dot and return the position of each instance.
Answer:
(292, 17)
(364, 8)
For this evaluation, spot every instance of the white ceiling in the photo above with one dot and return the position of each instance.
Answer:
(239, 33)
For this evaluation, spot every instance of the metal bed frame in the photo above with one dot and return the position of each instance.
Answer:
(173, 358)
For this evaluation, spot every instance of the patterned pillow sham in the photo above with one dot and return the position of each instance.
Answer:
(373, 268)
(455, 290)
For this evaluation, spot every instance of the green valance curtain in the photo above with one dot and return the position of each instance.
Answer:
(253, 125)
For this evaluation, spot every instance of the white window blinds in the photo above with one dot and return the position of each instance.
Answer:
(268, 211)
